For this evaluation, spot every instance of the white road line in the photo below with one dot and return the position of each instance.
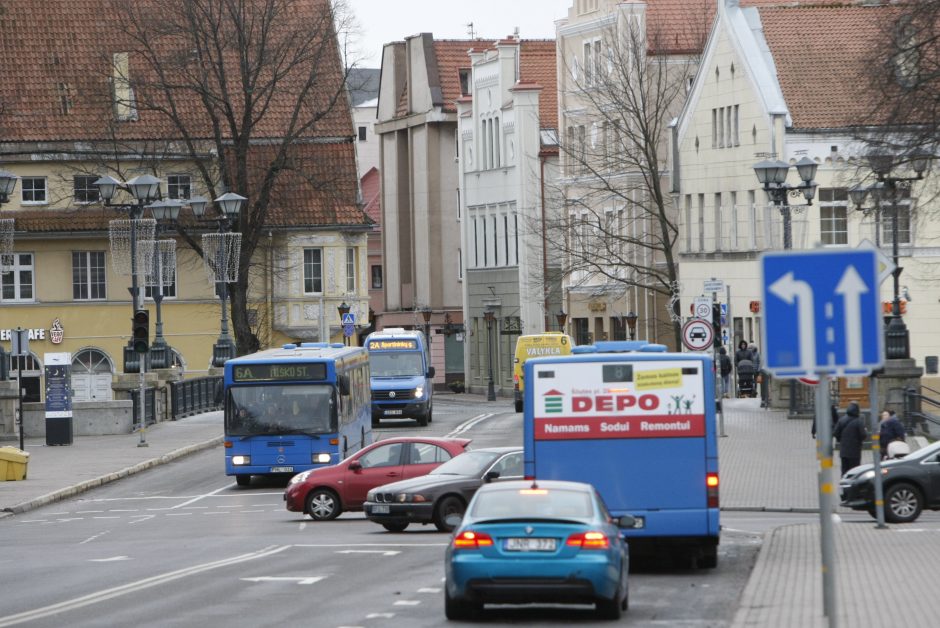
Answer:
(246, 512)
(406, 602)
(92, 538)
(133, 587)
(380, 615)
(296, 579)
(108, 560)
(107, 517)
(197, 507)
(67, 519)
(469, 423)
(179, 514)
(429, 590)
(303, 525)
(87, 512)
(124, 510)
(34, 521)
(216, 513)
(139, 518)
(382, 552)
(371, 545)
(196, 499)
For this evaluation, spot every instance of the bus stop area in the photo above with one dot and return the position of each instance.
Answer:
(767, 463)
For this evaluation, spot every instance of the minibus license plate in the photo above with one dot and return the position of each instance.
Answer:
(393, 412)
(282, 469)
(530, 545)
(380, 509)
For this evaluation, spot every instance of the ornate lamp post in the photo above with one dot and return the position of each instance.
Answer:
(7, 185)
(631, 323)
(343, 311)
(426, 315)
(884, 193)
(490, 316)
(562, 318)
(773, 177)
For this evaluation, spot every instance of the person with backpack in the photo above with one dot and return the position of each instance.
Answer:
(851, 433)
(724, 368)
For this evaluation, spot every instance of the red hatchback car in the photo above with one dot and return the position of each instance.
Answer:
(326, 492)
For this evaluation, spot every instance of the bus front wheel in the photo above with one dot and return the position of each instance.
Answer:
(243, 480)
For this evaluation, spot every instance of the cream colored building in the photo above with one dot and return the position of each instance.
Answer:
(755, 98)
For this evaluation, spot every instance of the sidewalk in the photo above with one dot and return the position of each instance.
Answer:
(767, 463)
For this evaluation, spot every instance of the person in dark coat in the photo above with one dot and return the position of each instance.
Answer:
(724, 368)
(742, 353)
(851, 433)
(891, 430)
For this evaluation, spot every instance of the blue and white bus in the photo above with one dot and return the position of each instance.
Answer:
(639, 424)
(295, 408)
(401, 375)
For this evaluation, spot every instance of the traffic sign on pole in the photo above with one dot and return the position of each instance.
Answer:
(349, 318)
(702, 307)
(349, 330)
(822, 314)
(697, 334)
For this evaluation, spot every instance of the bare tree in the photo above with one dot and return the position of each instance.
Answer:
(251, 95)
(619, 227)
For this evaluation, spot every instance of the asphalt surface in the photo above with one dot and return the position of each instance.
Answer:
(767, 462)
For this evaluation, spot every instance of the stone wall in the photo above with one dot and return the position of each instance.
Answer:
(89, 418)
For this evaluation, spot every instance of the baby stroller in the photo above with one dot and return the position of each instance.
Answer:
(747, 379)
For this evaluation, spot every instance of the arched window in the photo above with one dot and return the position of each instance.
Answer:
(91, 375)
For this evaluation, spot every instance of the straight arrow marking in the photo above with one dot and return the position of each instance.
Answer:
(789, 289)
(851, 286)
(298, 579)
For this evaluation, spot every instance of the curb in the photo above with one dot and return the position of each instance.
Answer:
(64, 493)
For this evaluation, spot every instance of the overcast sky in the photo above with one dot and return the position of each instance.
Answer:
(383, 21)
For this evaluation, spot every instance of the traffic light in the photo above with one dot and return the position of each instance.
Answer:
(716, 323)
(141, 331)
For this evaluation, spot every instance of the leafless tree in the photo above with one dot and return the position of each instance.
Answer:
(251, 95)
(619, 227)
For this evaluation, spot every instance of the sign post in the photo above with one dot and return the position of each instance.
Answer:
(19, 349)
(824, 311)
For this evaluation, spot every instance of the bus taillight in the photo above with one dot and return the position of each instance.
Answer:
(228, 444)
(711, 484)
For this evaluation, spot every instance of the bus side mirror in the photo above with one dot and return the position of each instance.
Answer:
(344, 385)
(431, 372)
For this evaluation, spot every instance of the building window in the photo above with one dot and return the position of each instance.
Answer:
(362, 133)
(718, 221)
(735, 243)
(85, 190)
(169, 290)
(376, 277)
(16, 282)
(688, 223)
(506, 238)
(88, 276)
(486, 248)
(178, 186)
(33, 189)
(476, 244)
(701, 222)
(313, 271)
(581, 334)
(350, 269)
(833, 219)
(886, 215)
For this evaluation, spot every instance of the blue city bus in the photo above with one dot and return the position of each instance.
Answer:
(295, 408)
(639, 424)
(401, 375)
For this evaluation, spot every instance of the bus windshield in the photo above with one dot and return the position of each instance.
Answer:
(396, 364)
(280, 409)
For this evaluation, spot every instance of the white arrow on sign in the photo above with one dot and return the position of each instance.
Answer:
(852, 287)
(787, 288)
(382, 552)
(298, 580)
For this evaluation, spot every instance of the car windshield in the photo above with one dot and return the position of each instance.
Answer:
(470, 463)
(396, 364)
(530, 503)
(287, 409)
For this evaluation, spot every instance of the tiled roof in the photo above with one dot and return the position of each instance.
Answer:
(57, 57)
(822, 54)
(371, 184)
(451, 56)
(537, 65)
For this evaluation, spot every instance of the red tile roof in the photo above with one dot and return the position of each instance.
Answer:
(830, 46)
(57, 56)
(451, 57)
(537, 65)
(371, 184)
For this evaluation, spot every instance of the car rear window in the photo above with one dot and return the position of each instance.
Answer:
(533, 504)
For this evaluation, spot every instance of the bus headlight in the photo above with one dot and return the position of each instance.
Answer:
(419, 392)
(321, 458)
(240, 461)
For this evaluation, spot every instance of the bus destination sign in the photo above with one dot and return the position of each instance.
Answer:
(278, 372)
(382, 345)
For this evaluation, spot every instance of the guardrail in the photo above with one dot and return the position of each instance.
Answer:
(150, 405)
(193, 396)
(914, 415)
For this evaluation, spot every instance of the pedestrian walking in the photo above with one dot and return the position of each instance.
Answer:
(763, 379)
(891, 430)
(834, 414)
(742, 353)
(724, 368)
(851, 433)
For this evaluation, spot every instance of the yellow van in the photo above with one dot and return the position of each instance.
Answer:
(534, 346)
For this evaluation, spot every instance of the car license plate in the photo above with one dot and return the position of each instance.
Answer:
(380, 509)
(640, 523)
(393, 412)
(530, 545)
(282, 469)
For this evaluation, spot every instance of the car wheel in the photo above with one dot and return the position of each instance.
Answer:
(457, 610)
(243, 480)
(903, 503)
(395, 527)
(518, 406)
(422, 420)
(430, 414)
(450, 505)
(323, 505)
(610, 609)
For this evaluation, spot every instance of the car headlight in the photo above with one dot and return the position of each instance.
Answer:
(419, 392)
(410, 498)
(321, 458)
(300, 477)
(240, 461)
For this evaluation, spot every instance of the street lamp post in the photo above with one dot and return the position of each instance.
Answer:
(7, 185)
(562, 318)
(631, 323)
(884, 193)
(426, 315)
(772, 175)
(343, 311)
(490, 316)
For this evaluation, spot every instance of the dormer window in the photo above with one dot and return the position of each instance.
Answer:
(464, 81)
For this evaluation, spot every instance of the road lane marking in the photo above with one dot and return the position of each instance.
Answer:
(406, 602)
(196, 499)
(107, 517)
(380, 615)
(297, 579)
(133, 587)
(371, 545)
(108, 560)
(429, 590)
(92, 538)
(469, 423)
(382, 552)
(139, 518)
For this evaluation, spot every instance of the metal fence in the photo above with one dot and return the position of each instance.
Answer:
(193, 396)
(150, 405)
(916, 418)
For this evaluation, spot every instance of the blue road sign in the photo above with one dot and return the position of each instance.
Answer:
(349, 330)
(822, 313)
(349, 318)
